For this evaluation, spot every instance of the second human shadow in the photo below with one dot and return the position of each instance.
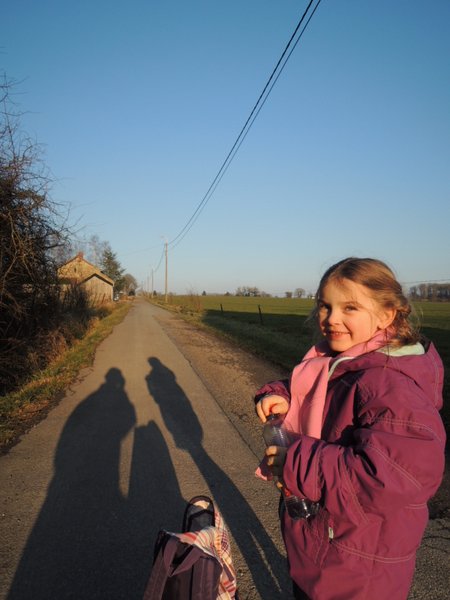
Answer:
(267, 565)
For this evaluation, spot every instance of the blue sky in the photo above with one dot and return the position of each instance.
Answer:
(137, 105)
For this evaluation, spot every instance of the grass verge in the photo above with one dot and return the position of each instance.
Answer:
(22, 409)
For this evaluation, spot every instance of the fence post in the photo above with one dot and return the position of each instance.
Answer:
(221, 309)
(260, 315)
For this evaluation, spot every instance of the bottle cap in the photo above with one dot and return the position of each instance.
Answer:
(273, 416)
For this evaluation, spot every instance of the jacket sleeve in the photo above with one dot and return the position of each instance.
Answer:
(395, 457)
(280, 388)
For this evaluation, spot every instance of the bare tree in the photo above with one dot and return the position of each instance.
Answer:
(31, 228)
(94, 248)
(130, 283)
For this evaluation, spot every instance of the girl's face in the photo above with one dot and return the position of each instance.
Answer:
(348, 315)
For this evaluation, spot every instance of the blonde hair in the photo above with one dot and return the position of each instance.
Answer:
(385, 290)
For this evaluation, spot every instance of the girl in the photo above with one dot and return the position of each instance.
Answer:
(370, 449)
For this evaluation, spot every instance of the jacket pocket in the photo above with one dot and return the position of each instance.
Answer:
(320, 532)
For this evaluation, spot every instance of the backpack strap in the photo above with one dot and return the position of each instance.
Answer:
(206, 579)
(190, 558)
(165, 549)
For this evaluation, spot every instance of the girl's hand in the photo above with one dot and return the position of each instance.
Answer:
(272, 404)
(276, 457)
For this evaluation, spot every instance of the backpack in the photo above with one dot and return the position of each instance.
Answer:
(182, 571)
(195, 564)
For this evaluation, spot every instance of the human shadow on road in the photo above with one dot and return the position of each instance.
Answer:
(268, 571)
(91, 541)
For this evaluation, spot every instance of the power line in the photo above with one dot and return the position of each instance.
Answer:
(249, 122)
(160, 260)
(425, 281)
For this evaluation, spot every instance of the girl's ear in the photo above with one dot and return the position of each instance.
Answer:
(386, 318)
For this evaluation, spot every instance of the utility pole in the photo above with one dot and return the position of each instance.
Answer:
(166, 275)
(152, 284)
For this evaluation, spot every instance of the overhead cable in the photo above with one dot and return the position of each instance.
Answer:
(250, 120)
(160, 260)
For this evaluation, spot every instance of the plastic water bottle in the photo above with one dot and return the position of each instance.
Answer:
(276, 435)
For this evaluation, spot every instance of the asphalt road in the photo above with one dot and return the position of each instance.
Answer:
(165, 413)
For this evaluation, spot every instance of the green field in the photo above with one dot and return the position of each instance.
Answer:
(279, 330)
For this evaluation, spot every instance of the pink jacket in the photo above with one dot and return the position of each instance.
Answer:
(379, 460)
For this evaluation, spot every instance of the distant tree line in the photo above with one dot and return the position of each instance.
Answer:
(255, 292)
(435, 292)
(250, 291)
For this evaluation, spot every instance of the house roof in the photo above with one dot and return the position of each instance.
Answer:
(89, 271)
(100, 275)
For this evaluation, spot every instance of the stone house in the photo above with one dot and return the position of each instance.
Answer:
(78, 271)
